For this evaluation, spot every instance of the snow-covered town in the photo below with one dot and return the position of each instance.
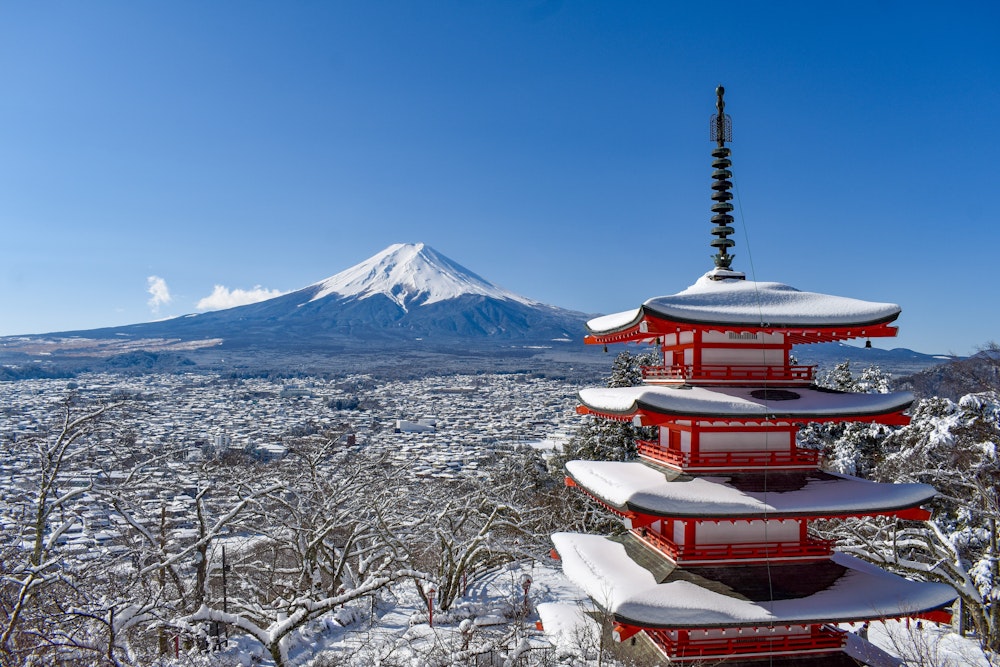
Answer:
(435, 425)
(436, 428)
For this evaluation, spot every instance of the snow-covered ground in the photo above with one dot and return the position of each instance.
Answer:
(492, 624)
(488, 625)
(927, 645)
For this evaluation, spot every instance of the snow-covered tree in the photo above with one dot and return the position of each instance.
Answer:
(952, 446)
(461, 539)
(853, 448)
(981, 371)
(626, 370)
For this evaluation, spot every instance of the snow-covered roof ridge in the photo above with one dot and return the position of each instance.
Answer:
(638, 487)
(751, 303)
(408, 273)
(602, 567)
(739, 402)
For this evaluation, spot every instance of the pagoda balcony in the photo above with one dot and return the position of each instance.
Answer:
(751, 375)
(697, 645)
(793, 459)
(716, 554)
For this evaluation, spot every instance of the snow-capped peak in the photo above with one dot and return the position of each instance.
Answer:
(408, 272)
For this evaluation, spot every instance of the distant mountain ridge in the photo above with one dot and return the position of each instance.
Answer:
(406, 293)
(980, 372)
(405, 303)
(897, 361)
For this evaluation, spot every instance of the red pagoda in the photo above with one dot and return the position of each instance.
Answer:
(719, 563)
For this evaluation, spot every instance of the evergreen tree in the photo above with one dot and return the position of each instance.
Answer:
(626, 370)
(853, 448)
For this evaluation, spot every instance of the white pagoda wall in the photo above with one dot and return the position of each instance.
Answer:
(741, 349)
(685, 441)
(746, 532)
(749, 339)
(685, 338)
(724, 356)
(759, 440)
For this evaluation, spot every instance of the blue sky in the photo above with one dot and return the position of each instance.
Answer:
(557, 149)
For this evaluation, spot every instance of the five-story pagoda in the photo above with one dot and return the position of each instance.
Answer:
(719, 563)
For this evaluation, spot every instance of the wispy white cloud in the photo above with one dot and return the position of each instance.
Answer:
(222, 297)
(158, 291)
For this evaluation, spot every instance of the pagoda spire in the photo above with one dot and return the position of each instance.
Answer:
(721, 131)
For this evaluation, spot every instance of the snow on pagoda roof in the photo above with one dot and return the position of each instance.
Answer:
(752, 304)
(641, 488)
(569, 625)
(740, 402)
(602, 567)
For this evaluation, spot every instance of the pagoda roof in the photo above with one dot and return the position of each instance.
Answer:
(855, 591)
(640, 488)
(746, 305)
(654, 404)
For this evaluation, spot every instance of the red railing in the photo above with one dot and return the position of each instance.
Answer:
(689, 554)
(685, 647)
(806, 458)
(754, 374)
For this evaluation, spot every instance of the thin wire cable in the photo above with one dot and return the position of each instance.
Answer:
(767, 407)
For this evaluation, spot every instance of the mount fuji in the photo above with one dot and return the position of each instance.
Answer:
(411, 275)
(404, 294)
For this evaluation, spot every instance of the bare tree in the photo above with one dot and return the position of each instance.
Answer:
(56, 449)
(308, 546)
(459, 529)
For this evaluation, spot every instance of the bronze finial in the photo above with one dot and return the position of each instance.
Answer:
(720, 124)
(721, 131)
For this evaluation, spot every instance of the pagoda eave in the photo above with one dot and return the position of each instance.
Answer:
(910, 513)
(652, 405)
(649, 327)
(647, 417)
(857, 591)
(636, 516)
(632, 489)
(938, 613)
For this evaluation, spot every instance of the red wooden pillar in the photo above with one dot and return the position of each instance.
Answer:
(690, 539)
(696, 353)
